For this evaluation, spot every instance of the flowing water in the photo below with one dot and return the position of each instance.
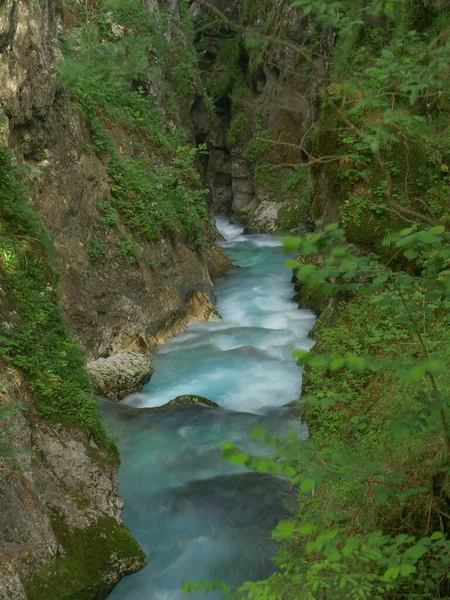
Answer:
(196, 515)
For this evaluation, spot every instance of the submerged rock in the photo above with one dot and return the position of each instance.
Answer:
(121, 374)
(181, 401)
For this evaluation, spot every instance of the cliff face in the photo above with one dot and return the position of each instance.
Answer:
(60, 530)
(136, 288)
(266, 105)
(129, 259)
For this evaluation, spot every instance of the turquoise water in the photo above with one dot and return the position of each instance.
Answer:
(196, 515)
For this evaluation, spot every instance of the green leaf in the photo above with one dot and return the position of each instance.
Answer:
(349, 264)
(289, 471)
(302, 356)
(437, 535)
(400, 430)
(286, 528)
(357, 364)
(380, 279)
(239, 458)
(392, 573)
(406, 570)
(306, 529)
(415, 552)
(291, 243)
(418, 372)
(257, 433)
(374, 146)
(307, 485)
(319, 360)
(410, 253)
(337, 363)
(292, 264)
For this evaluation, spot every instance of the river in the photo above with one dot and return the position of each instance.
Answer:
(196, 515)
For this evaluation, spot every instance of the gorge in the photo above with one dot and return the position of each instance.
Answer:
(126, 128)
(196, 516)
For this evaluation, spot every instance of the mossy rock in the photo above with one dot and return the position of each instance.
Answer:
(91, 562)
(306, 294)
(192, 400)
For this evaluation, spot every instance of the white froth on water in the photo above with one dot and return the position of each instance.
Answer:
(243, 361)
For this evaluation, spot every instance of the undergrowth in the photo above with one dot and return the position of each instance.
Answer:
(116, 80)
(34, 334)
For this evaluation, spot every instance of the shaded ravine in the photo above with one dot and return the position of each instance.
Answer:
(196, 515)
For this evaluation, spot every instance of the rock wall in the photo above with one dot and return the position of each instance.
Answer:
(61, 534)
(58, 499)
(112, 304)
(271, 95)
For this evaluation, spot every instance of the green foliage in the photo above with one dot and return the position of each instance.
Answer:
(373, 481)
(185, 77)
(109, 214)
(8, 411)
(257, 147)
(96, 250)
(112, 79)
(39, 343)
(383, 113)
(129, 251)
(227, 72)
(238, 126)
(154, 200)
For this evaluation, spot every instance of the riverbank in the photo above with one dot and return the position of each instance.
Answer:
(196, 515)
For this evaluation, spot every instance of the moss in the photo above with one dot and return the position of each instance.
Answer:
(92, 562)
(288, 218)
(227, 72)
(311, 297)
(238, 127)
(292, 213)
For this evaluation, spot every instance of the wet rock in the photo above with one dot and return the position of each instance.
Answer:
(121, 374)
(181, 401)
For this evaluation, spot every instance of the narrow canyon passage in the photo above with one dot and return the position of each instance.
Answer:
(196, 515)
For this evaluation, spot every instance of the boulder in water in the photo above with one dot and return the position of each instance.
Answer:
(181, 401)
(264, 219)
(121, 374)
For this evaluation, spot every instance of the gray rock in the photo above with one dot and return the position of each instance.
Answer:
(9, 17)
(58, 479)
(264, 219)
(121, 374)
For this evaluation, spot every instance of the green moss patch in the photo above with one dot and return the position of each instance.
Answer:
(93, 561)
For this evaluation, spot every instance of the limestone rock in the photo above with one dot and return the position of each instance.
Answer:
(264, 219)
(59, 508)
(244, 200)
(121, 374)
(110, 304)
(9, 16)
